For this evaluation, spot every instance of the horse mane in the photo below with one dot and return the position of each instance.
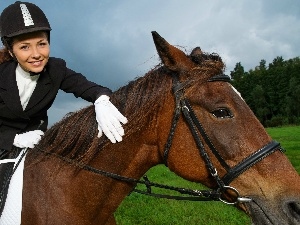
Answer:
(75, 136)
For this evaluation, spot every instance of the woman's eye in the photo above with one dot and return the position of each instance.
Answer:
(24, 47)
(222, 113)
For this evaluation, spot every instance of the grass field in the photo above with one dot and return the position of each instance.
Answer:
(289, 137)
(138, 209)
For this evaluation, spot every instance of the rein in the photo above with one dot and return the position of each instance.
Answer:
(183, 106)
(194, 195)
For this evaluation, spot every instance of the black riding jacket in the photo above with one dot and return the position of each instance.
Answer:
(56, 76)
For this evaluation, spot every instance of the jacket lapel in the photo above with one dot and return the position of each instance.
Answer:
(9, 90)
(42, 88)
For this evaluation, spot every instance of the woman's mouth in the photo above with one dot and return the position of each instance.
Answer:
(36, 63)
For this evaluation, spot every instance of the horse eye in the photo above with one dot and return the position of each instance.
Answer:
(222, 113)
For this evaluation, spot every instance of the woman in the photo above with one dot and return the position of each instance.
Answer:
(29, 83)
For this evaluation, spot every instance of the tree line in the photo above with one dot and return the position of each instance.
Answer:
(272, 92)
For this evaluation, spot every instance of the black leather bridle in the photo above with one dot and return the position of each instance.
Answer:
(183, 106)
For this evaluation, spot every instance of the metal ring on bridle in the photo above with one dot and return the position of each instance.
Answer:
(238, 199)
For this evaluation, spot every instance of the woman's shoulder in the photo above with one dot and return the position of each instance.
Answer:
(54, 60)
(56, 64)
(7, 64)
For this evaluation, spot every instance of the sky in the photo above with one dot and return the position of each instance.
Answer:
(110, 42)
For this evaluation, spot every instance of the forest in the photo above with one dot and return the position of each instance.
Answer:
(271, 91)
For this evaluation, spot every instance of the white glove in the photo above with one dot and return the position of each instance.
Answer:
(109, 119)
(28, 139)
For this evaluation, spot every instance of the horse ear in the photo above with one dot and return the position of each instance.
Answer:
(196, 52)
(172, 57)
(197, 55)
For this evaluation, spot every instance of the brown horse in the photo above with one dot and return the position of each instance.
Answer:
(183, 113)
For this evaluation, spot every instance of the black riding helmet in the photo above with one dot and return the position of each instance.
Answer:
(21, 18)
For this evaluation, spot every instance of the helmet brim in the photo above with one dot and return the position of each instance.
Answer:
(28, 30)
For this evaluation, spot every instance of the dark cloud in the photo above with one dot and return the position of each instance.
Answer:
(110, 41)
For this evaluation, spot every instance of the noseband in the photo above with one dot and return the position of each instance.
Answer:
(183, 106)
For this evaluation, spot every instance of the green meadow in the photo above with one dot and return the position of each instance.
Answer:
(139, 209)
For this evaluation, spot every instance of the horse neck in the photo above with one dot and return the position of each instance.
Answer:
(130, 158)
(142, 105)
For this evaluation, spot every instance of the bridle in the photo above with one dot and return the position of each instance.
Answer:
(183, 107)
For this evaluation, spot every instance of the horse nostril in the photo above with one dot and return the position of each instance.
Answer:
(294, 209)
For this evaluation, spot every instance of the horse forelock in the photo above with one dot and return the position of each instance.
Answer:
(210, 62)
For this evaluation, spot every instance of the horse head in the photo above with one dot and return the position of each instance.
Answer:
(221, 127)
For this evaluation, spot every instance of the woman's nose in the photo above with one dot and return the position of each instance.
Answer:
(35, 53)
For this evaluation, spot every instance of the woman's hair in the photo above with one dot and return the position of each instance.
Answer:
(4, 55)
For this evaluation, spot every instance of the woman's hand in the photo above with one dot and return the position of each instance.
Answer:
(28, 139)
(109, 119)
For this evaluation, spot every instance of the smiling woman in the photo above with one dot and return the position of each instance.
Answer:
(32, 51)
(29, 82)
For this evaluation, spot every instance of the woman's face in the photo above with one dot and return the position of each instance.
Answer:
(32, 51)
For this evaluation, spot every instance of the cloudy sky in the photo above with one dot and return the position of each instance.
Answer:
(110, 41)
